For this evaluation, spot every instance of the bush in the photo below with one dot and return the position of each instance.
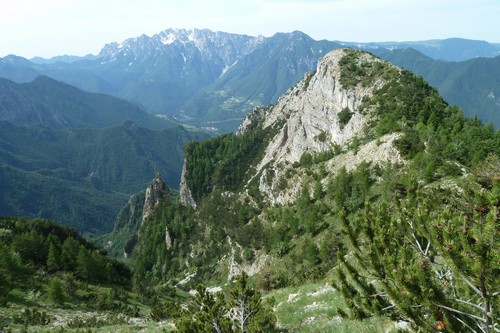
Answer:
(168, 310)
(344, 116)
(32, 317)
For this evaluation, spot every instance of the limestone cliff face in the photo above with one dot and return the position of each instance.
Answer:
(133, 215)
(185, 193)
(308, 120)
(156, 190)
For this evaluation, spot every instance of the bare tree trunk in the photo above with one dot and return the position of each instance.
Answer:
(485, 296)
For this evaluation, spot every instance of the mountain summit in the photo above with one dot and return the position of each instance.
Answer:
(322, 113)
(358, 131)
(325, 113)
(221, 48)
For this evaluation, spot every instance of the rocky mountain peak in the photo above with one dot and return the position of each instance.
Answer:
(310, 111)
(154, 192)
(320, 113)
(223, 49)
(186, 197)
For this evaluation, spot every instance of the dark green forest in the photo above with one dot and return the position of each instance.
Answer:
(82, 177)
(37, 254)
(49, 103)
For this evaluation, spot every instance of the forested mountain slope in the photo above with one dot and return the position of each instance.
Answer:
(81, 177)
(358, 155)
(473, 85)
(49, 103)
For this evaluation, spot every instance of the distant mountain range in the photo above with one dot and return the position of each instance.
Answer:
(451, 49)
(213, 79)
(63, 58)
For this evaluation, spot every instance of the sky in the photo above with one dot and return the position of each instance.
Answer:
(47, 28)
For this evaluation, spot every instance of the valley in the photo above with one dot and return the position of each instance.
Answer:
(203, 77)
(290, 185)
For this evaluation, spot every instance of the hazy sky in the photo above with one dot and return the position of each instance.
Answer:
(54, 27)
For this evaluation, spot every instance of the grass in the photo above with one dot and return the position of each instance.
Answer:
(307, 308)
(77, 317)
(61, 317)
(313, 308)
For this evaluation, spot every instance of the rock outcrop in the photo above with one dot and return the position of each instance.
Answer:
(309, 120)
(186, 197)
(311, 110)
(156, 190)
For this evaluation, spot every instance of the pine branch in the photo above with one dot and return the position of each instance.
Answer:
(389, 307)
(481, 328)
(473, 287)
(377, 295)
(464, 323)
(462, 313)
(452, 282)
(469, 303)
(215, 324)
(250, 314)
(425, 253)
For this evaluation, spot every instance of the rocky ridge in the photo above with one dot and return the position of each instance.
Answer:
(154, 192)
(186, 198)
(220, 48)
(309, 121)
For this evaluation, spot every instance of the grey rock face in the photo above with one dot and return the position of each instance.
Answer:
(309, 114)
(220, 48)
(185, 193)
(156, 190)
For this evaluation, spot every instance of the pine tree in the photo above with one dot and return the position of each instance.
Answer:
(54, 263)
(55, 291)
(243, 312)
(436, 267)
(207, 314)
(83, 263)
(69, 253)
(250, 314)
(5, 274)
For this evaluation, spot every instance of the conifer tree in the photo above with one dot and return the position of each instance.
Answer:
(69, 253)
(436, 267)
(243, 312)
(53, 259)
(207, 313)
(55, 292)
(83, 263)
(5, 274)
(250, 314)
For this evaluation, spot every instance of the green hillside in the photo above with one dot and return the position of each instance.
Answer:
(49, 103)
(338, 228)
(473, 85)
(82, 177)
(51, 277)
